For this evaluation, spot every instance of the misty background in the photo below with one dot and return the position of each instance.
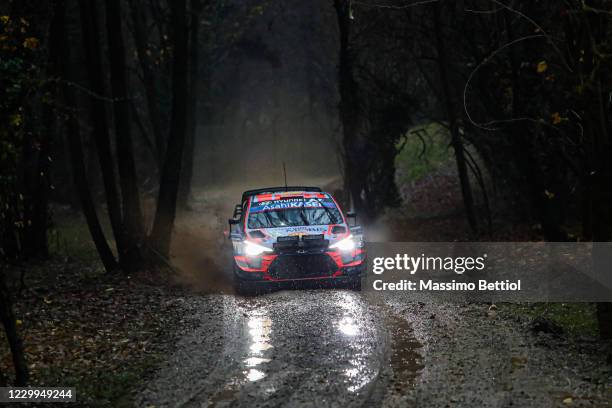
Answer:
(272, 99)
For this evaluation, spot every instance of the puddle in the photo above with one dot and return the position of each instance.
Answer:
(259, 328)
(406, 361)
(344, 346)
(360, 371)
(348, 326)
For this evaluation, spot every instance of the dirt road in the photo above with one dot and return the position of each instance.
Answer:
(340, 348)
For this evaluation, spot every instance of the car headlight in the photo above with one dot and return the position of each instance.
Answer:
(346, 244)
(253, 249)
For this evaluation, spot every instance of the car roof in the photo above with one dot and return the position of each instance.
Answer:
(282, 195)
(258, 191)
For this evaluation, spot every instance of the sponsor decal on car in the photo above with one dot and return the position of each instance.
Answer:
(289, 203)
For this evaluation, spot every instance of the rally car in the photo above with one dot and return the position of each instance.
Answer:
(290, 235)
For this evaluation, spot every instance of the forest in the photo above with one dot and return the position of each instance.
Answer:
(127, 113)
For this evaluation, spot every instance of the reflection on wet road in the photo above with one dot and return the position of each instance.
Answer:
(299, 348)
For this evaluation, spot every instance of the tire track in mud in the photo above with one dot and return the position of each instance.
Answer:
(299, 348)
(403, 359)
(291, 348)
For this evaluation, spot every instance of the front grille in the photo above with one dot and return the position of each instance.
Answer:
(302, 266)
(308, 243)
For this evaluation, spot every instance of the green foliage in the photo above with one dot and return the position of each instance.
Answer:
(576, 319)
(425, 150)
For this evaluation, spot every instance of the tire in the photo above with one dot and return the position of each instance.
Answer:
(352, 283)
(244, 287)
(355, 281)
(355, 284)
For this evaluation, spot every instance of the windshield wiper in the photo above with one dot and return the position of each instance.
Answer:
(303, 217)
(332, 217)
(270, 222)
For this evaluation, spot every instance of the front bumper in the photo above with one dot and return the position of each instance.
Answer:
(301, 266)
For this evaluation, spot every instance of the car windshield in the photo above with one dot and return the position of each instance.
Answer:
(293, 212)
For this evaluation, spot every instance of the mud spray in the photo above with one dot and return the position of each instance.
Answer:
(201, 252)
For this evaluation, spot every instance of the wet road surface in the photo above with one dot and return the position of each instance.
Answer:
(293, 348)
(338, 348)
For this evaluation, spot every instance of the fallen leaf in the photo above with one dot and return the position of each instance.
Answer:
(542, 67)
(556, 118)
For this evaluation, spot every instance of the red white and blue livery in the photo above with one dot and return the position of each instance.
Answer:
(294, 234)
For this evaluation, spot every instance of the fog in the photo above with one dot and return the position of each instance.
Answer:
(273, 100)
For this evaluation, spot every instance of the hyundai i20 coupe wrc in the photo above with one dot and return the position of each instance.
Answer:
(291, 235)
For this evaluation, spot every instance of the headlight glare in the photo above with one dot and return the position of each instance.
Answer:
(346, 244)
(253, 249)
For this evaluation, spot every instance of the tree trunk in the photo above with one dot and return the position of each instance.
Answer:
(132, 212)
(187, 168)
(34, 187)
(36, 149)
(353, 146)
(75, 148)
(10, 327)
(91, 43)
(79, 174)
(148, 76)
(456, 142)
(532, 182)
(168, 189)
(602, 188)
(585, 33)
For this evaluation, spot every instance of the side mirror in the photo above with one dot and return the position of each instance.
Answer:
(357, 233)
(352, 215)
(356, 230)
(232, 222)
(235, 236)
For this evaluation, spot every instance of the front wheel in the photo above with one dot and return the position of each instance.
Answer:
(352, 283)
(355, 284)
(355, 280)
(245, 287)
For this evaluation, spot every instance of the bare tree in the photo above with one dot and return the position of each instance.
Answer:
(148, 78)
(171, 171)
(8, 321)
(449, 104)
(349, 107)
(75, 146)
(192, 121)
(99, 121)
(132, 214)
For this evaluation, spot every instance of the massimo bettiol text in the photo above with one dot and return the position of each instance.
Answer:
(422, 263)
(501, 271)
